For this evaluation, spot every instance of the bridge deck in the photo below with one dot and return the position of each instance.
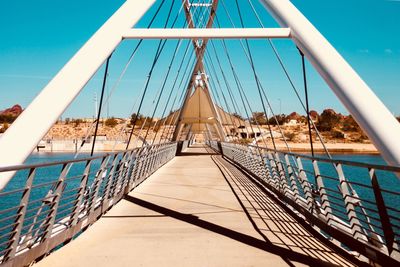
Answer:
(190, 213)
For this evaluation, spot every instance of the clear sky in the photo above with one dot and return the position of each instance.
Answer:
(38, 37)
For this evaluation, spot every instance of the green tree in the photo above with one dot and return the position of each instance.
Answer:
(328, 120)
(259, 117)
(278, 119)
(350, 125)
(136, 119)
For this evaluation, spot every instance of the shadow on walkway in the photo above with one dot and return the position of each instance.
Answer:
(277, 227)
(246, 239)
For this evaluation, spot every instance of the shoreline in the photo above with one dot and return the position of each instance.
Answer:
(334, 148)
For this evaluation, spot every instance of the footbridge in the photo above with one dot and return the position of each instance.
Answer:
(188, 189)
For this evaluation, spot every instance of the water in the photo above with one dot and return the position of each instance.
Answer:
(44, 181)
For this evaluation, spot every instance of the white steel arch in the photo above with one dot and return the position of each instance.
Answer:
(374, 118)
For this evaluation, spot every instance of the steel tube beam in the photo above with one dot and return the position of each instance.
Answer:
(366, 108)
(213, 33)
(24, 134)
(199, 54)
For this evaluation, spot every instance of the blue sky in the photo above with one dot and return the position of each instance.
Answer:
(38, 37)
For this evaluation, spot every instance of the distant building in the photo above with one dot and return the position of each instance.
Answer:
(249, 132)
(292, 123)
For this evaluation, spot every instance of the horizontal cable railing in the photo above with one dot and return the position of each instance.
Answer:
(354, 203)
(48, 204)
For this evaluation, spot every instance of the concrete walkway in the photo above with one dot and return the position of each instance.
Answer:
(186, 214)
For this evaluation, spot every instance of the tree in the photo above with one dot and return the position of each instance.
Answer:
(7, 118)
(277, 119)
(328, 120)
(4, 128)
(140, 119)
(350, 125)
(136, 118)
(398, 118)
(259, 118)
(237, 116)
(77, 122)
(111, 122)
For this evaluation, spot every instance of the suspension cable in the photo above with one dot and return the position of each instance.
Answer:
(259, 83)
(180, 102)
(255, 74)
(171, 92)
(276, 53)
(182, 6)
(241, 90)
(119, 80)
(228, 87)
(307, 103)
(160, 48)
(220, 89)
(100, 105)
(164, 83)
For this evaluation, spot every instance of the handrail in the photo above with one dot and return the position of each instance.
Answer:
(46, 199)
(340, 161)
(356, 211)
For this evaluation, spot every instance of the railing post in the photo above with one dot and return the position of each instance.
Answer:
(305, 184)
(350, 207)
(268, 175)
(293, 183)
(19, 220)
(282, 174)
(128, 175)
(51, 217)
(96, 185)
(110, 180)
(383, 214)
(79, 199)
(275, 172)
(118, 180)
(322, 193)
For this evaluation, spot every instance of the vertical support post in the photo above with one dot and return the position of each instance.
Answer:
(293, 183)
(51, 217)
(322, 193)
(19, 221)
(79, 199)
(96, 185)
(304, 183)
(383, 214)
(350, 207)
(110, 180)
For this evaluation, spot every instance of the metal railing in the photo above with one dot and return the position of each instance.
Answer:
(356, 205)
(214, 145)
(48, 204)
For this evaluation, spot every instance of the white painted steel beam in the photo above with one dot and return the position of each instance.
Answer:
(24, 134)
(199, 64)
(366, 108)
(212, 33)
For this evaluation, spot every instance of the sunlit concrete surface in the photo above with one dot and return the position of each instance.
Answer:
(186, 214)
